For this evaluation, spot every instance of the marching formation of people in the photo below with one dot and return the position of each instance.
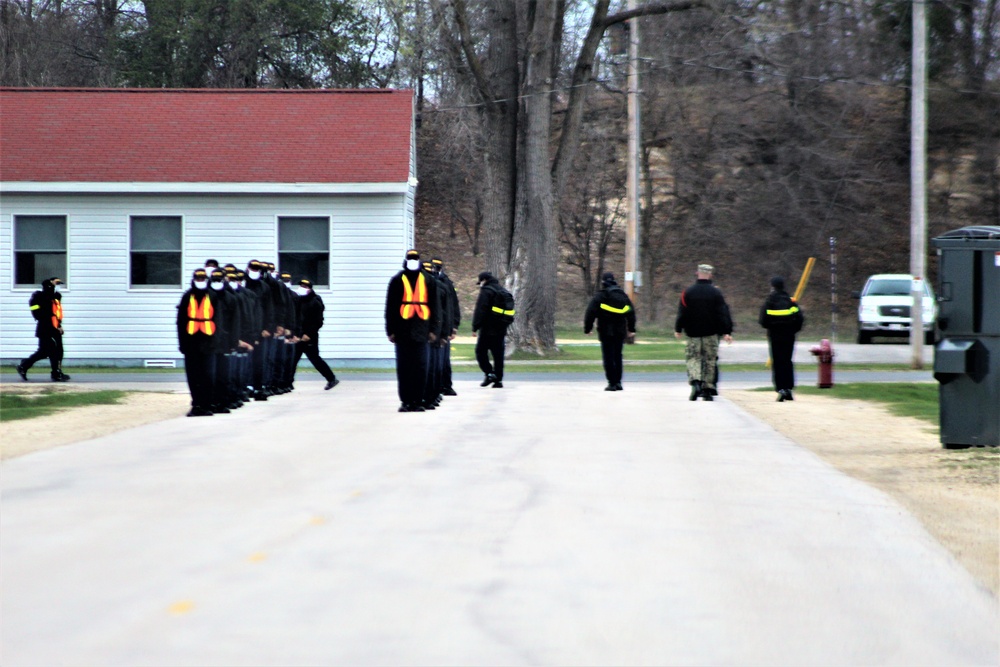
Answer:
(242, 334)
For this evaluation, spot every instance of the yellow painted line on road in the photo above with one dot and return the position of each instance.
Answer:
(257, 557)
(180, 608)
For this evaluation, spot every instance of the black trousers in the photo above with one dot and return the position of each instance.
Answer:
(433, 386)
(611, 354)
(49, 347)
(199, 367)
(310, 348)
(490, 344)
(412, 358)
(446, 365)
(221, 395)
(782, 370)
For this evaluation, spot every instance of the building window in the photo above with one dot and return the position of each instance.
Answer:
(304, 249)
(155, 251)
(39, 248)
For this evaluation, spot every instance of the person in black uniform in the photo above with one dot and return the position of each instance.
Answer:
(449, 329)
(256, 284)
(783, 318)
(615, 317)
(288, 351)
(412, 323)
(46, 308)
(490, 330)
(250, 329)
(197, 329)
(227, 335)
(703, 316)
(310, 319)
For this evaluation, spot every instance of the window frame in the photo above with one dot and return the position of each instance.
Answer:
(132, 287)
(325, 283)
(27, 287)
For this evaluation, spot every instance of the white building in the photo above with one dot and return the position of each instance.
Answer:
(122, 193)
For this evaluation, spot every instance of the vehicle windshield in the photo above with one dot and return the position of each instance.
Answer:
(891, 287)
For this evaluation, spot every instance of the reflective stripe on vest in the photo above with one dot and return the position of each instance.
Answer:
(784, 313)
(203, 323)
(56, 313)
(498, 309)
(612, 309)
(415, 304)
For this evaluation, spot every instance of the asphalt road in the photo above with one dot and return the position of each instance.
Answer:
(545, 523)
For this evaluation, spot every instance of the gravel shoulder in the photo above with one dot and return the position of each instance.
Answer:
(955, 494)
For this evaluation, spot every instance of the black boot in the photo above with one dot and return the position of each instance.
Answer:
(488, 380)
(696, 386)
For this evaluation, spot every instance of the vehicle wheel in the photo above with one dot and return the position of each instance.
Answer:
(864, 338)
(928, 338)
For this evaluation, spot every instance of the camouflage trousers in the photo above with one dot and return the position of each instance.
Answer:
(702, 357)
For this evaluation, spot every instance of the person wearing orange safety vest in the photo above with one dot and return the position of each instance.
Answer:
(783, 318)
(199, 315)
(46, 308)
(412, 323)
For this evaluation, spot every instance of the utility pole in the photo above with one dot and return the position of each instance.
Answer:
(633, 278)
(918, 181)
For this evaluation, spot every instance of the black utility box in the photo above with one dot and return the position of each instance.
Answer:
(967, 356)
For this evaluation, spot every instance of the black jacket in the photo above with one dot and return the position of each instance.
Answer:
(450, 294)
(703, 311)
(198, 342)
(609, 322)
(780, 314)
(414, 328)
(310, 315)
(41, 305)
(229, 320)
(483, 318)
(266, 303)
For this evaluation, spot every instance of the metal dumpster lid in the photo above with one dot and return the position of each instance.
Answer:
(973, 232)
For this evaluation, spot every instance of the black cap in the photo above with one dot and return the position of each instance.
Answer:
(412, 254)
(485, 276)
(218, 275)
(778, 282)
(211, 262)
(608, 279)
(306, 283)
(199, 274)
(254, 265)
(286, 276)
(437, 261)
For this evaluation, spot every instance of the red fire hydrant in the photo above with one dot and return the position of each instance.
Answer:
(824, 354)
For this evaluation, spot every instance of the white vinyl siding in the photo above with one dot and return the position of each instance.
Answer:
(107, 320)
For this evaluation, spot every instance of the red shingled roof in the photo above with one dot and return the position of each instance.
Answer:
(205, 135)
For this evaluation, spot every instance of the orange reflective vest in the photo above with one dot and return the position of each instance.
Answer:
(200, 316)
(56, 313)
(415, 300)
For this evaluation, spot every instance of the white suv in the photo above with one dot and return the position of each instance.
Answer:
(885, 307)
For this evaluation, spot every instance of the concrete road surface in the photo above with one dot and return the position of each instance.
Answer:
(547, 523)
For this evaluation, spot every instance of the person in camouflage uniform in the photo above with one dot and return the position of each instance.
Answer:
(703, 316)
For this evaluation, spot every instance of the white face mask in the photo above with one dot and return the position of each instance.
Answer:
(234, 284)
(412, 264)
(200, 284)
(302, 291)
(253, 275)
(57, 288)
(218, 286)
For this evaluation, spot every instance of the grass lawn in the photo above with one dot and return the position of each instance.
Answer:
(26, 406)
(909, 399)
